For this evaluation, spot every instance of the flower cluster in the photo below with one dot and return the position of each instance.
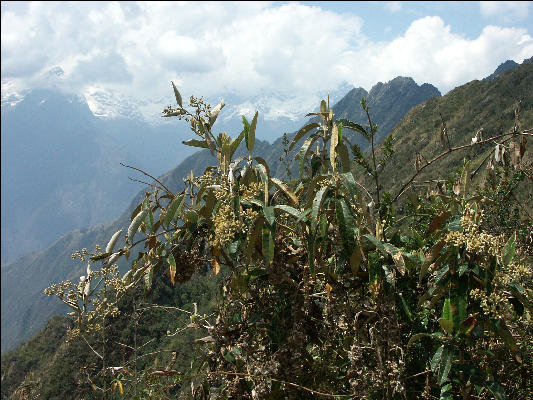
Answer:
(496, 304)
(225, 226)
(472, 238)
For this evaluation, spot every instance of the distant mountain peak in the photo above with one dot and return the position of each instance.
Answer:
(503, 67)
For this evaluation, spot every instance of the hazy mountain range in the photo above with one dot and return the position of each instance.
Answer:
(24, 308)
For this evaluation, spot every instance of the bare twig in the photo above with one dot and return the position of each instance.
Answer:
(438, 157)
(150, 176)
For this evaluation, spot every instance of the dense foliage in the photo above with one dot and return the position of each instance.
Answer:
(323, 289)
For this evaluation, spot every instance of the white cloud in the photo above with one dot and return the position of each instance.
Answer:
(283, 56)
(506, 11)
(393, 6)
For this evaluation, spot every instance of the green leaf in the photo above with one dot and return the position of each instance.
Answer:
(262, 161)
(446, 392)
(435, 361)
(177, 95)
(301, 133)
(149, 220)
(347, 226)
(235, 143)
(174, 208)
(196, 143)
(251, 134)
(246, 129)
(302, 155)
(496, 390)
(316, 206)
(346, 124)
(172, 264)
(447, 310)
(300, 216)
(269, 215)
(268, 245)
(263, 174)
(406, 308)
(445, 365)
(344, 157)
(446, 325)
(509, 251)
(285, 189)
(253, 236)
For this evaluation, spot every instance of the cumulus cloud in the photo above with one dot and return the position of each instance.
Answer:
(282, 55)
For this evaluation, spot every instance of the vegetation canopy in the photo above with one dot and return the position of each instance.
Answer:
(323, 288)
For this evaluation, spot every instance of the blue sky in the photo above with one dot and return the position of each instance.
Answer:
(276, 56)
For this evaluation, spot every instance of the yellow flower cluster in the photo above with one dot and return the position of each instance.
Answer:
(475, 241)
(251, 190)
(496, 304)
(225, 227)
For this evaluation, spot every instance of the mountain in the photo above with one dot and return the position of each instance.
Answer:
(486, 104)
(58, 171)
(503, 67)
(61, 167)
(25, 309)
(478, 104)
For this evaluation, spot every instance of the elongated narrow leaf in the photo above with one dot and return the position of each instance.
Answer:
(435, 361)
(262, 161)
(285, 189)
(149, 220)
(251, 134)
(177, 95)
(268, 245)
(132, 229)
(172, 268)
(235, 143)
(346, 124)
(445, 365)
(316, 206)
(213, 114)
(430, 257)
(344, 156)
(355, 259)
(300, 216)
(301, 133)
(196, 143)
(311, 189)
(496, 390)
(174, 209)
(447, 310)
(346, 225)
(246, 130)
(302, 155)
(113, 241)
(263, 175)
(269, 215)
(446, 392)
(253, 236)
(334, 140)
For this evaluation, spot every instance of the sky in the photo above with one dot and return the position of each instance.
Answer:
(280, 57)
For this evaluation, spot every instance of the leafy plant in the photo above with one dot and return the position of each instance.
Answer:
(324, 291)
